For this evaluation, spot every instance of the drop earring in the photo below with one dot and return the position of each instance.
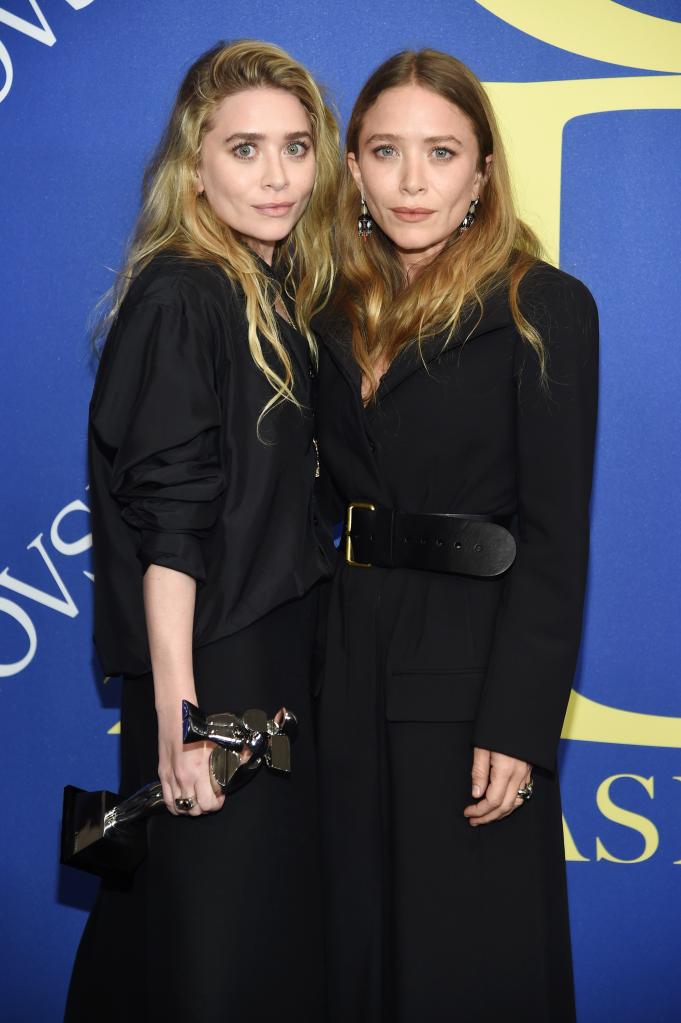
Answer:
(470, 216)
(364, 223)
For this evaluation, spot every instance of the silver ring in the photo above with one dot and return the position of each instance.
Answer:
(185, 803)
(525, 792)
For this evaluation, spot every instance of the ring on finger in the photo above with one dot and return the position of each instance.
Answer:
(184, 803)
(525, 792)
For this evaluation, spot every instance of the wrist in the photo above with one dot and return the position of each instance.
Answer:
(168, 697)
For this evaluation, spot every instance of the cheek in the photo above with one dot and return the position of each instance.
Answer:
(233, 185)
(304, 176)
(457, 188)
(379, 184)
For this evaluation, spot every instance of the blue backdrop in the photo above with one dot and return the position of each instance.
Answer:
(85, 86)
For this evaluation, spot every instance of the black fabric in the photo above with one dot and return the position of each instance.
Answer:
(223, 921)
(178, 474)
(426, 916)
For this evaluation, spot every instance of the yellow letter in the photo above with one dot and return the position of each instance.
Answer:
(533, 115)
(627, 819)
(600, 29)
(572, 853)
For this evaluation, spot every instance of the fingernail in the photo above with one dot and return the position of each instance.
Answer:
(476, 792)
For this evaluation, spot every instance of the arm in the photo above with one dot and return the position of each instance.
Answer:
(160, 414)
(169, 598)
(538, 627)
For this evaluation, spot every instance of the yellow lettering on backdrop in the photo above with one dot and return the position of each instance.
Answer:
(590, 721)
(572, 853)
(634, 821)
(599, 29)
(532, 117)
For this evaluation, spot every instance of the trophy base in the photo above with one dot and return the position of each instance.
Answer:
(87, 845)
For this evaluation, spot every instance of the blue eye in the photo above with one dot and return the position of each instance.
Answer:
(298, 149)
(442, 153)
(385, 151)
(244, 150)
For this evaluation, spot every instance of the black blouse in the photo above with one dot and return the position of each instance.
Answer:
(178, 474)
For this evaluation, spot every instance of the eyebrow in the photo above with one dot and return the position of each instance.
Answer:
(432, 139)
(255, 136)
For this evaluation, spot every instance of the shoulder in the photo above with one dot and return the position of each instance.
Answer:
(174, 299)
(173, 280)
(548, 294)
(173, 306)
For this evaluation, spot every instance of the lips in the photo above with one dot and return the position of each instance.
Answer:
(275, 209)
(412, 213)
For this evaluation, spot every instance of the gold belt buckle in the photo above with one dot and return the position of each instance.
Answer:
(349, 558)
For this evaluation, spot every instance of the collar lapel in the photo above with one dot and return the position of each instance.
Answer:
(496, 315)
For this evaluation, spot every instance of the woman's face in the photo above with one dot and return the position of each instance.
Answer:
(257, 165)
(417, 166)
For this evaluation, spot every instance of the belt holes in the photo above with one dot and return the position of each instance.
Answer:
(457, 545)
(477, 548)
(438, 541)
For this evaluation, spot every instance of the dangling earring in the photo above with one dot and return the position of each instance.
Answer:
(470, 216)
(365, 223)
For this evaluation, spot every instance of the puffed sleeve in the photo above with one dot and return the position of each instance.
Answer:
(158, 412)
(538, 628)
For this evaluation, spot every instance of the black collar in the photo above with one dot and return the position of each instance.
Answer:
(334, 332)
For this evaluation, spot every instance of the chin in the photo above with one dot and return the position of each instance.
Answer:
(413, 241)
(276, 232)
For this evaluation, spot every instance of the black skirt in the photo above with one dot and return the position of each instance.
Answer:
(223, 919)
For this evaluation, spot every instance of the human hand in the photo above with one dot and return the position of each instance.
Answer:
(496, 778)
(184, 770)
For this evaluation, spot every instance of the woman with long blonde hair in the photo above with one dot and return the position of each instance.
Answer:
(457, 404)
(208, 545)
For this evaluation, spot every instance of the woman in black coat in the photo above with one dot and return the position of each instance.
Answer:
(208, 548)
(457, 404)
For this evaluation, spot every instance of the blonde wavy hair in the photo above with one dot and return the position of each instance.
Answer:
(173, 217)
(386, 313)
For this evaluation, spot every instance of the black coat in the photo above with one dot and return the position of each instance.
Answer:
(422, 666)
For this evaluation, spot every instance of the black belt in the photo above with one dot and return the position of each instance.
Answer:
(478, 545)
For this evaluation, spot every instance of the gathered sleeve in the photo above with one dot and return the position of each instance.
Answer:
(157, 410)
(538, 628)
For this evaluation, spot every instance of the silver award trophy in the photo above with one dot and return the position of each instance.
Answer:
(102, 833)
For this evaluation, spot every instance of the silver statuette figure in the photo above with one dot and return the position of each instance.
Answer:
(101, 833)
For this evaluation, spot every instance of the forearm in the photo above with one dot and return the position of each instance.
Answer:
(169, 601)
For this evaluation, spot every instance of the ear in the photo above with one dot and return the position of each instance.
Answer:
(353, 166)
(482, 177)
(200, 187)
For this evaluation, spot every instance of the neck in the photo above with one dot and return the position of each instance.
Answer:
(413, 261)
(263, 249)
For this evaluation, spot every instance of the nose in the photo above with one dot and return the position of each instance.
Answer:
(274, 172)
(413, 180)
